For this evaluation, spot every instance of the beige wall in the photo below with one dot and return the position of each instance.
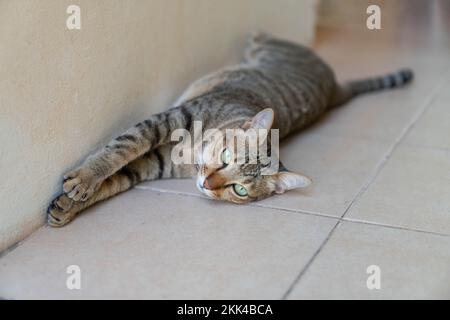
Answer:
(64, 93)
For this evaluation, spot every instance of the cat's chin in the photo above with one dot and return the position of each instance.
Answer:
(206, 192)
(210, 194)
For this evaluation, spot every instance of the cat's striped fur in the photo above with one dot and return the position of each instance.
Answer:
(275, 75)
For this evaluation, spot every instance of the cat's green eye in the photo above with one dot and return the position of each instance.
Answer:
(240, 190)
(225, 156)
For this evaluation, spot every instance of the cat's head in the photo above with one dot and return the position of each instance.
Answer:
(224, 177)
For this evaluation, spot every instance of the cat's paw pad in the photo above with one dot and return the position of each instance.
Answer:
(60, 211)
(80, 184)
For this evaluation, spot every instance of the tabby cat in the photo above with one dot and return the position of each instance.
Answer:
(279, 85)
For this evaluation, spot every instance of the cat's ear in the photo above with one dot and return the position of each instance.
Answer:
(262, 120)
(286, 180)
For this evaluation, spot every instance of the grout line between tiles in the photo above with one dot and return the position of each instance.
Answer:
(370, 180)
(310, 261)
(187, 194)
(396, 143)
(305, 212)
(394, 227)
(418, 146)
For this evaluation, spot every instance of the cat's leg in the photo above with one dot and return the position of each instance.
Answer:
(80, 184)
(63, 209)
(155, 164)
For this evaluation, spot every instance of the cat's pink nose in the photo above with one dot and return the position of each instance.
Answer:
(206, 184)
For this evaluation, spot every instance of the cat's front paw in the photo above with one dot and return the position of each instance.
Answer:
(80, 184)
(61, 211)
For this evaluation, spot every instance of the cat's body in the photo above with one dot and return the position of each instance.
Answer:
(285, 77)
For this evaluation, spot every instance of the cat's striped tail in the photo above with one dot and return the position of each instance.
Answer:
(354, 88)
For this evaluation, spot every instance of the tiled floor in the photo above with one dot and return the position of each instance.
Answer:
(381, 196)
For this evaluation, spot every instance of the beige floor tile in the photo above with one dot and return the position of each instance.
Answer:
(411, 191)
(412, 265)
(338, 166)
(444, 94)
(379, 116)
(384, 115)
(433, 128)
(144, 244)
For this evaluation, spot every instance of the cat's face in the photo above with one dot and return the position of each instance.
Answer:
(222, 176)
